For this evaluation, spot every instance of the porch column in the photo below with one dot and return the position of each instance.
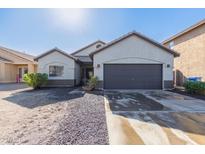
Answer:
(30, 68)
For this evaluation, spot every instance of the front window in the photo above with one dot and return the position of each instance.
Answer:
(56, 71)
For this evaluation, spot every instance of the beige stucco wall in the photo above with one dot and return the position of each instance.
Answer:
(134, 50)
(88, 50)
(35, 68)
(191, 47)
(8, 73)
(2, 72)
(56, 58)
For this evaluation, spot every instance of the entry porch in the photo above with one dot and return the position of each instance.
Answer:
(11, 73)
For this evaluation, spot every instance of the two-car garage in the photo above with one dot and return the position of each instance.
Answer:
(132, 76)
(134, 62)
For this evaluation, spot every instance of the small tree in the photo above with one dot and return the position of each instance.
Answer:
(35, 80)
(92, 83)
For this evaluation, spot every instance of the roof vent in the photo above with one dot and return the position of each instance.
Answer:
(98, 45)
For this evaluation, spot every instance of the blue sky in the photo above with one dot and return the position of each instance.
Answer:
(37, 30)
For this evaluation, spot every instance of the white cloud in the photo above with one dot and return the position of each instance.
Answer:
(70, 19)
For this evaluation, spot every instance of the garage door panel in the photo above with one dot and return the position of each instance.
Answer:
(132, 76)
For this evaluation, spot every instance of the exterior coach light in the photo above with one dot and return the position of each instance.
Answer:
(168, 65)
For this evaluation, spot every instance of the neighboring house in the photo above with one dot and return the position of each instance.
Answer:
(132, 61)
(190, 43)
(14, 64)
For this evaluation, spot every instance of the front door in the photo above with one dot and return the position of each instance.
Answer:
(89, 73)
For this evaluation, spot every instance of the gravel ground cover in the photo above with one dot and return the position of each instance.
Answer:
(85, 123)
(52, 116)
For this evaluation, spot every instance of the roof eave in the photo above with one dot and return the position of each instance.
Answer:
(18, 54)
(136, 34)
(184, 31)
(52, 50)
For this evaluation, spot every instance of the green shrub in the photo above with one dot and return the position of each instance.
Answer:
(195, 87)
(35, 80)
(92, 82)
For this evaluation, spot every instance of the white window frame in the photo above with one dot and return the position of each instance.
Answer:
(53, 76)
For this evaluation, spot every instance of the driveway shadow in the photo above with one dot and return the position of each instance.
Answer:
(126, 101)
(44, 96)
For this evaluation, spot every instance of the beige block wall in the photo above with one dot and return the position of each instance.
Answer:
(191, 47)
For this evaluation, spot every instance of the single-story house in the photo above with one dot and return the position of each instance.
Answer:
(14, 64)
(132, 61)
(65, 69)
(190, 44)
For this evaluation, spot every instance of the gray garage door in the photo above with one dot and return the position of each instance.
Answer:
(132, 76)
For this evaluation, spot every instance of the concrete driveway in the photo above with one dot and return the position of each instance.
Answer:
(154, 117)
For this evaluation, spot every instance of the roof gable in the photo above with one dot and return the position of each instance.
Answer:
(55, 50)
(86, 47)
(18, 54)
(138, 35)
